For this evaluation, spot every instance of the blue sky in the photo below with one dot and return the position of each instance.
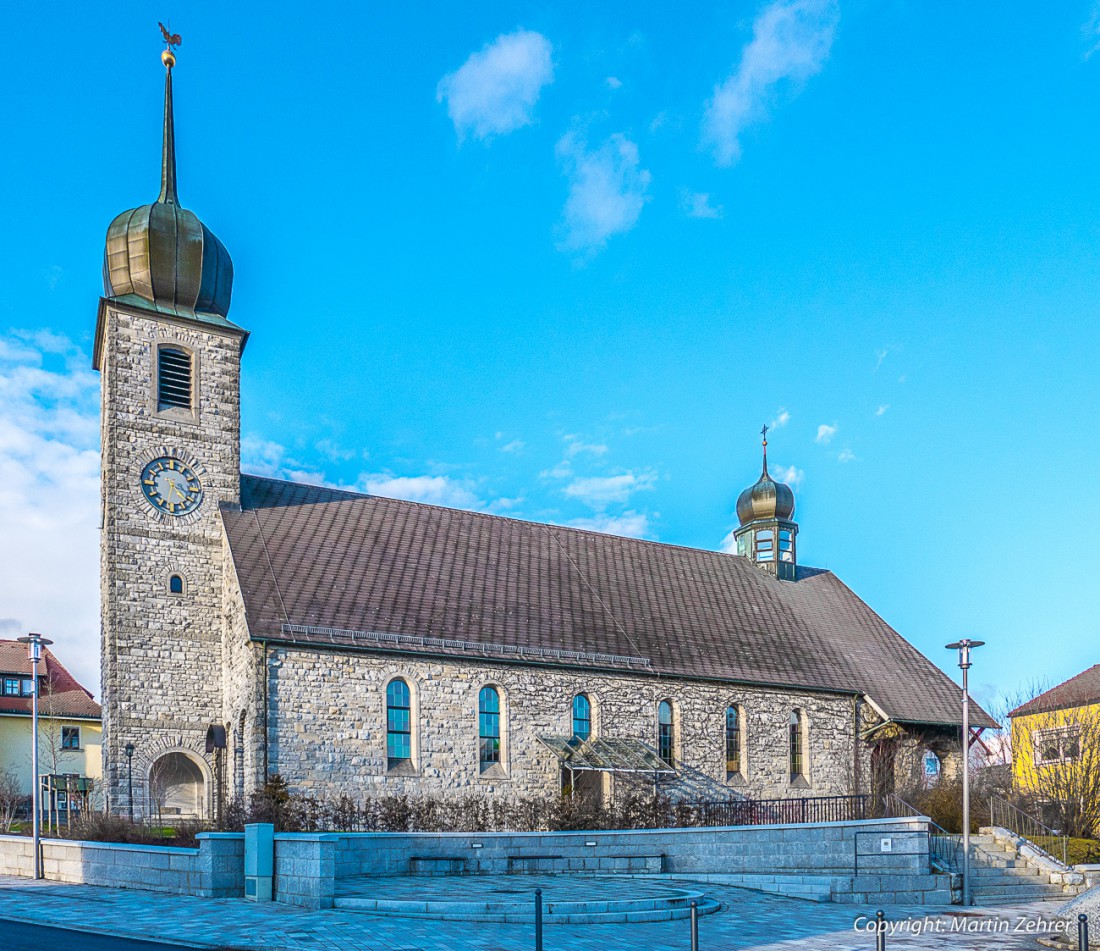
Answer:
(561, 262)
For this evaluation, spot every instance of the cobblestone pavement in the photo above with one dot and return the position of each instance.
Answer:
(748, 920)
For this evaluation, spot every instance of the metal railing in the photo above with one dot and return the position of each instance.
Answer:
(1002, 813)
(944, 848)
(763, 812)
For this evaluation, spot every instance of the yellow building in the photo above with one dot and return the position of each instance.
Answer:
(70, 730)
(1056, 752)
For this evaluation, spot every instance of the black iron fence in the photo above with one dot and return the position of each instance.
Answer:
(764, 812)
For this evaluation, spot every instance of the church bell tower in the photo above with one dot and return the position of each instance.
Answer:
(767, 530)
(169, 360)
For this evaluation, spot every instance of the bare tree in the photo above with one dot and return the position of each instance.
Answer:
(1059, 766)
(159, 785)
(11, 798)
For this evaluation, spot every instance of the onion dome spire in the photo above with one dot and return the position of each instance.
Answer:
(766, 532)
(161, 255)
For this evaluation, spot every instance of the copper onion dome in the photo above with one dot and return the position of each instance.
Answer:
(766, 499)
(161, 254)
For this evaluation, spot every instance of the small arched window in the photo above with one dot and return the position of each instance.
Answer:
(398, 724)
(175, 584)
(174, 383)
(733, 741)
(664, 732)
(488, 716)
(797, 743)
(582, 717)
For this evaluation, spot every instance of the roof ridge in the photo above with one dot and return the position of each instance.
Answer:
(520, 521)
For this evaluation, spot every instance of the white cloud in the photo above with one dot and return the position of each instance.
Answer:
(790, 41)
(698, 205)
(577, 447)
(729, 543)
(845, 455)
(516, 445)
(607, 190)
(599, 491)
(789, 475)
(825, 433)
(881, 411)
(49, 496)
(1090, 30)
(781, 419)
(613, 82)
(496, 89)
(630, 524)
(435, 490)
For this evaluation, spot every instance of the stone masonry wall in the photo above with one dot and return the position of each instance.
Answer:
(327, 727)
(161, 652)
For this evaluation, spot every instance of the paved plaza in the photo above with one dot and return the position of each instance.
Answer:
(747, 920)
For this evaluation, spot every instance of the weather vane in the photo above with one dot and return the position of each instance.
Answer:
(171, 42)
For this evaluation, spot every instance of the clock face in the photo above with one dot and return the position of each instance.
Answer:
(170, 486)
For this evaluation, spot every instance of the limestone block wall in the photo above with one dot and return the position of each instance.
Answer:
(214, 870)
(326, 727)
(161, 652)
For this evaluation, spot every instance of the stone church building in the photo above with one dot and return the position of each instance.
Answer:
(363, 645)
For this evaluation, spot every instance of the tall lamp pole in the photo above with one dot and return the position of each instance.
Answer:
(128, 749)
(964, 647)
(35, 643)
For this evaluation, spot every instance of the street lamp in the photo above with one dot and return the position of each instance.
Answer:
(964, 647)
(35, 643)
(128, 749)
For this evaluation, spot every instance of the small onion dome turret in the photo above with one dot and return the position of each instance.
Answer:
(161, 254)
(767, 499)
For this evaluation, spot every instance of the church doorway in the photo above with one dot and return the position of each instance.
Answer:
(883, 755)
(177, 787)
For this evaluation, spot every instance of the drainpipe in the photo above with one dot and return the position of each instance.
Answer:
(266, 675)
(856, 778)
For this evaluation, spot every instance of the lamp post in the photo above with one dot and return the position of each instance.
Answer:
(35, 643)
(964, 647)
(128, 749)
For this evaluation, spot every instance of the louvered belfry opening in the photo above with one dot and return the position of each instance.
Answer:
(173, 379)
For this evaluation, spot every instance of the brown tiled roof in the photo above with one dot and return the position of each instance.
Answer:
(316, 565)
(62, 695)
(1079, 691)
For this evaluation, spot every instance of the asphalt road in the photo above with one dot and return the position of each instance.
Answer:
(19, 936)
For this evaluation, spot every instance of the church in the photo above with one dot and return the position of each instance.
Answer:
(368, 646)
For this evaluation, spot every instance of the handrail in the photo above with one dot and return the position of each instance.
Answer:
(1002, 813)
(943, 846)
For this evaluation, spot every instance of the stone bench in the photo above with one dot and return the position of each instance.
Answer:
(590, 862)
(437, 865)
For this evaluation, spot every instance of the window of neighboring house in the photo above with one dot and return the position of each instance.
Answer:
(733, 741)
(665, 732)
(28, 687)
(488, 715)
(1062, 745)
(70, 737)
(398, 724)
(582, 717)
(11, 686)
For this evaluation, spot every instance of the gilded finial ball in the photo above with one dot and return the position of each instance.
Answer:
(168, 58)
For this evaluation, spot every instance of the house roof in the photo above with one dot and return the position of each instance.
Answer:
(1079, 691)
(62, 695)
(330, 568)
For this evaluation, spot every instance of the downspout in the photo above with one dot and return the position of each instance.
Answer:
(266, 676)
(856, 778)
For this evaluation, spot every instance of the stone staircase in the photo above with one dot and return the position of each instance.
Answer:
(1002, 874)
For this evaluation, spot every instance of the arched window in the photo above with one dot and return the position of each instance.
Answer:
(582, 717)
(664, 731)
(175, 584)
(398, 724)
(488, 716)
(174, 386)
(733, 741)
(797, 742)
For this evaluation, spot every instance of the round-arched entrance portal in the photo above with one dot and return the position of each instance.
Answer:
(177, 787)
